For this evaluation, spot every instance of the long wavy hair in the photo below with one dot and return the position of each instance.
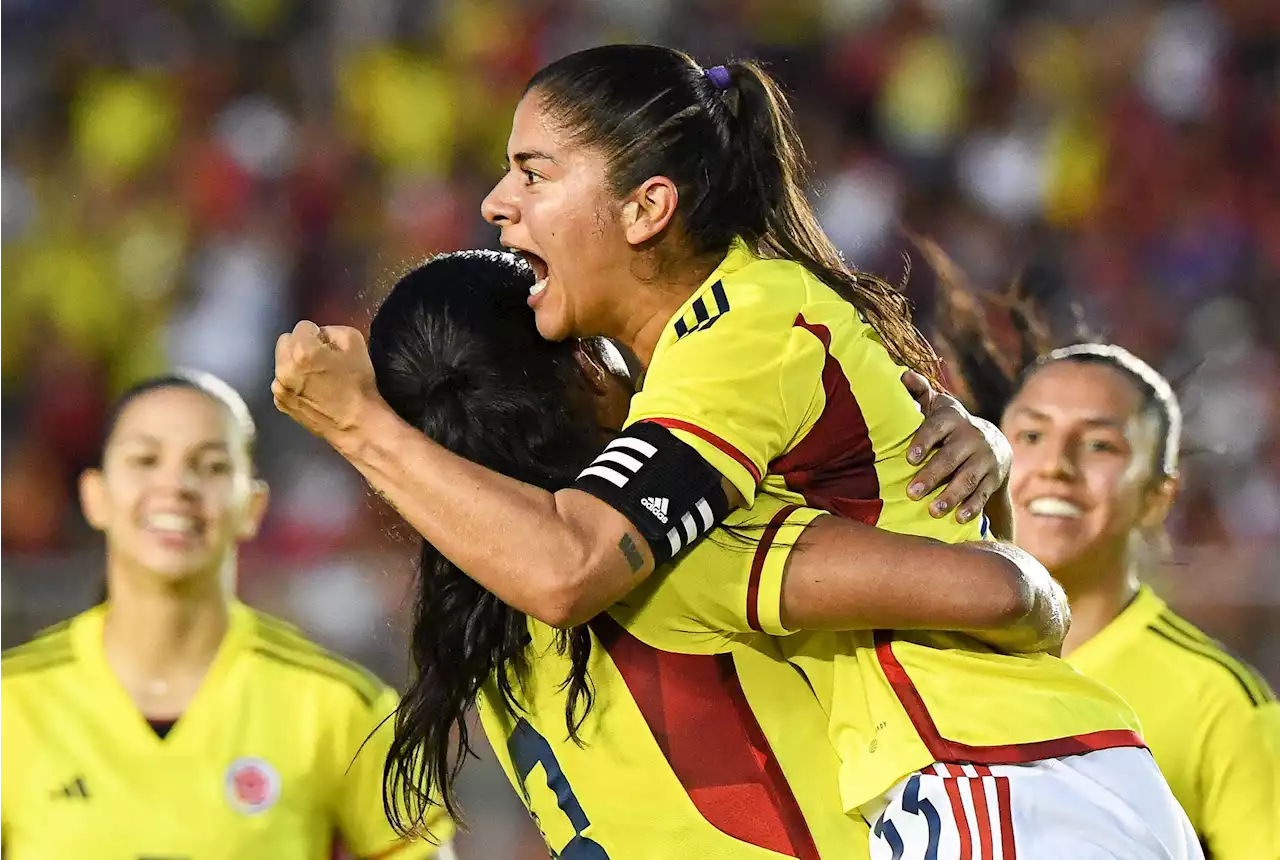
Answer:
(456, 354)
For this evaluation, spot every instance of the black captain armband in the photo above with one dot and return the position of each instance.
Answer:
(659, 483)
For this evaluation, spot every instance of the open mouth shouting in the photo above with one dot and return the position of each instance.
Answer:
(540, 272)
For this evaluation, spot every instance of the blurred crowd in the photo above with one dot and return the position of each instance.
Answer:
(184, 180)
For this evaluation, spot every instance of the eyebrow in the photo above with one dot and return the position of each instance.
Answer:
(1092, 422)
(520, 158)
(143, 438)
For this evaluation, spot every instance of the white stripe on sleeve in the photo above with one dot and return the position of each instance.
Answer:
(609, 474)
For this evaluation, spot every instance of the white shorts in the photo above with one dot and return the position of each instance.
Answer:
(1102, 805)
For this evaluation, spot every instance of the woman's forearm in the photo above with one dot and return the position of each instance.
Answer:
(844, 575)
(555, 556)
(1044, 625)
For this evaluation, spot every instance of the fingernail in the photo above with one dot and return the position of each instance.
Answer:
(964, 516)
(914, 454)
(940, 506)
(915, 490)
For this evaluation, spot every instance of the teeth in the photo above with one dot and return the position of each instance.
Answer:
(1051, 507)
(538, 287)
(171, 523)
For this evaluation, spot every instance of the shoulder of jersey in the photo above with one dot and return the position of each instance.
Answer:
(1209, 659)
(49, 649)
(771, 289)
(282, 644)
(775, 282)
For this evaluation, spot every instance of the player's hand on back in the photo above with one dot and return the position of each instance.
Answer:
(968, 455)
(324, 379)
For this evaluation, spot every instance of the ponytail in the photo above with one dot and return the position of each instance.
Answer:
(776, 169)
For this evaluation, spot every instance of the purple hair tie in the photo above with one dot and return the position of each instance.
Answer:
(719, 76)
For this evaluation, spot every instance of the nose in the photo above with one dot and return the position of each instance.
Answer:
(178, 478)
(1059, 459)
(498, 207)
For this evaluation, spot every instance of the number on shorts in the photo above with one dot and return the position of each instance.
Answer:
(912, 803)
(529, 749)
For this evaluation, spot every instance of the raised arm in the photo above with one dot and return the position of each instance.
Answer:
(561, 557)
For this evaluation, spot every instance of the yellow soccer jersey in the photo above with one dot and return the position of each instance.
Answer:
(262, 764)
(780, 385)
(778, 382)
(698, 744)
(1212, 723)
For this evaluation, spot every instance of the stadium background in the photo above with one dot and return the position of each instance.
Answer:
(182, 181)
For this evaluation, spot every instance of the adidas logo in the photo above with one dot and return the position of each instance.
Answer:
(657, 507)
(74, 788)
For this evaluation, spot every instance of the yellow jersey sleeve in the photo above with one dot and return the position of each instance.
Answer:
(362, 820)
(728, 584)
(1240, 772)
(739, 388)
(777, 540)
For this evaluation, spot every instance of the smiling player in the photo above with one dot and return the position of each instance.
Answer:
(173, 721)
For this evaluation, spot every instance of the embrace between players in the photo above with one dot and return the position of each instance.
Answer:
(628, 569)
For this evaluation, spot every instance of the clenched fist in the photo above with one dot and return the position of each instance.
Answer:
(324, 379)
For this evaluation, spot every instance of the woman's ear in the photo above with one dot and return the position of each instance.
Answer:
(1159, 501)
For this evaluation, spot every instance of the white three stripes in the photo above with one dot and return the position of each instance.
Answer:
(616, 466)
(691, 528)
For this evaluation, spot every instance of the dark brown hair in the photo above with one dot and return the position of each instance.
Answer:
(456, 354)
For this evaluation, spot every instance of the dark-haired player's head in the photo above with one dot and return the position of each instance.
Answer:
(175, 492)
(456, 355)
(1095, 431)
(633, 169)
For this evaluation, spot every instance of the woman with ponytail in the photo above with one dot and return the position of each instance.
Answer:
(1096, 432)
(672, 724)
(664, 205)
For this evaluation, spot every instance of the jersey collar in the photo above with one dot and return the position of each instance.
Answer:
(86, 641)
(1129, 624)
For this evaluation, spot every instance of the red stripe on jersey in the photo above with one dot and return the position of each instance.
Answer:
(695, 706)
(742, 459)
(1006, 818)
(982, 812)
(944, 750)
(957, 810)
(834, 465)
(757, 564)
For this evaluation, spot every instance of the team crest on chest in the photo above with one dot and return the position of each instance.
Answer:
(253, 785)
